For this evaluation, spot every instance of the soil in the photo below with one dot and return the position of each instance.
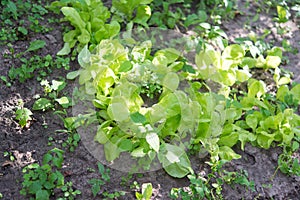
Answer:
(28, 145)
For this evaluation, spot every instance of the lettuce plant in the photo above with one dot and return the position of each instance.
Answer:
(89, 18)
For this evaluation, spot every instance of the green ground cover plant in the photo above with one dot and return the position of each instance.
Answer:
(40, 181)
(209, 105)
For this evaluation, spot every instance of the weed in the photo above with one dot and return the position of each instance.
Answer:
(69, 192)
(146, 192)
(41, 181)
(289, 160)
(52, 96)
(10, 155)
(97, 183)
(23, 115)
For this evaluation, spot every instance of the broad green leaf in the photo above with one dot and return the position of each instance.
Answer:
(233, 52)
(142, 51)
(170, 55)
(207, 62)
(65, 50)
(226, 153)
(242, 75)
(282, 92)
(265, 139)
(125, 66)
(248, 62)
(252, 121)
(295, 91)
(84, 37)
(275, 51)
(227, 77)
(246, 136)
(171, 81)
(282, 14)
(118, 109)
(73, 75)
(256, 88)
(58, 85)
(63, 101)
(153, 140)
(111, 151)
(42, 104)
(35, 45)
(34, 187)
(113, 29)
(175, 161)
(138, 152)
(84, 57)
(73, 16)
(272, 61)
(147, 191)
(70, 36)
(229, 140)
(138, 118)
(42, 195)
(125, 145)
(143, 13)
(101, 136)
(284, 81)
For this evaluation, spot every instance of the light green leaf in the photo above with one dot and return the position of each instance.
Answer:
(73, 75)
(138, 152)
(147, 191)
(175, 161)
(58, 85)
(125, 66)
(256, 88)
(73, 16)
(65, 50)
(233, 52)
(84, 37)
(84, 57)
(252, 121)
(170, 55)
(284, 80)
(226, 153)
(63, 101)
(273, 61)
(111, 151)
(153, 140)
(171, 81)
(118, 109)
(265, 139)
(143, 13)
(295, 91)
(42, 104)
